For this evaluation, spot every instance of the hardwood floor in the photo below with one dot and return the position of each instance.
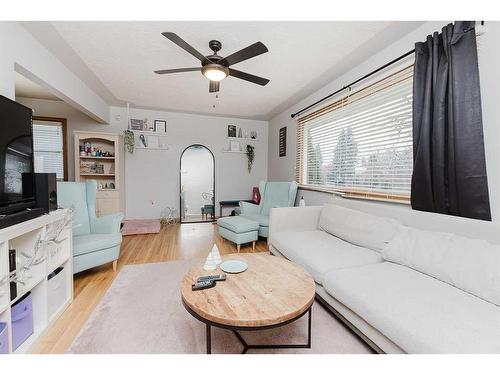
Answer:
(186, 241)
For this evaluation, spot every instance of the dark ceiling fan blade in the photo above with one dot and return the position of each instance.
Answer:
(184, 45)
(179, 70)
(255, 49)
(248, 77)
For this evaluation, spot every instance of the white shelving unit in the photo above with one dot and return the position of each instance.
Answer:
(243, 142)
(47, 306)
(109, 200)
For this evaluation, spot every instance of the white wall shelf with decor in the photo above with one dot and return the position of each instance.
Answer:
(49, 280)
(155, 141)
(102, 162)
(238, 145)
(233, 152)
(149, 132)
(243, 139)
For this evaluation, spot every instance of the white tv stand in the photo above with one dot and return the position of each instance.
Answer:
(49, 299)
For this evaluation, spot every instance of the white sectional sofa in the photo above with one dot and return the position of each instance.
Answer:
(404, 281)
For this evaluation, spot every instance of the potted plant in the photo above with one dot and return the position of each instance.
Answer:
(128, 138)
(250, 156)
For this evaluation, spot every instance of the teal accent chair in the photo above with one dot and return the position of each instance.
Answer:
(96, 240)
(273, 194)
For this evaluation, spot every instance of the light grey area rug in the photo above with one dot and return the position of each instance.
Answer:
(142, 312)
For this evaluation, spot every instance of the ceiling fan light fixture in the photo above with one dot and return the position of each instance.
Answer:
(215, 72)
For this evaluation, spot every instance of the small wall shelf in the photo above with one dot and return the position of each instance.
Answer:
(243, 139)
(149, 132)
(233, 152)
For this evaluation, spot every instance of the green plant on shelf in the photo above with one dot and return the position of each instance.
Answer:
(251, 156)
(128, 138)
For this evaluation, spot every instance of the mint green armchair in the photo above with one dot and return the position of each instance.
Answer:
(273, 194)
(96, 240)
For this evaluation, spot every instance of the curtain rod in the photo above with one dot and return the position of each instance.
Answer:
(353, 83)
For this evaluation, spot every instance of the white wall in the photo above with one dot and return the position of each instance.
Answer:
(489, 59)
(152, 177)
(20, 52)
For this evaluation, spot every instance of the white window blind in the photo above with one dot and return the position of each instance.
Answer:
(361, 145)
(48, 148)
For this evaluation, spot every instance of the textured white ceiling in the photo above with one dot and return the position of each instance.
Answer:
(123, 56)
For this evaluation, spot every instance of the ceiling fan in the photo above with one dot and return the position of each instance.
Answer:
(215, 67)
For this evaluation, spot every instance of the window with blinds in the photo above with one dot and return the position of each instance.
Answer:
(361, 145)
(48, 148)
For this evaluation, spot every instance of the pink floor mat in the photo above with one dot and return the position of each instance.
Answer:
(131, 227)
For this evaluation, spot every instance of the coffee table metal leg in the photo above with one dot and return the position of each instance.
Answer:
(309, 327)
(246, 346)
(209, 340)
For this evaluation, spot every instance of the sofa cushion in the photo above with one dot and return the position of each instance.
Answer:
(261, 219)
(238, 224)
(417, 312)
(357, 227)
(89, 243)
(319, 252)
(469, 264)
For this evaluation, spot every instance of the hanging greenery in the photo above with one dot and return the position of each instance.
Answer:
(128, 138)
(250, 156)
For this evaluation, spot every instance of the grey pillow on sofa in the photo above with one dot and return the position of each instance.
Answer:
(472, 265)
(358, 227)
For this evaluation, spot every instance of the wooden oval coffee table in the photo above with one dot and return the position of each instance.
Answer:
(272, 292)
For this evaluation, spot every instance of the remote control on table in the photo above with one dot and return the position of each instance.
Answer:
(221, 277)
(203, 285)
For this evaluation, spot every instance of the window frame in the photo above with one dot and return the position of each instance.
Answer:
(301, 157)
(63, 123)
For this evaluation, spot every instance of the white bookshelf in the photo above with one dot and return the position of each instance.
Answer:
(109, 200)
(22, 237)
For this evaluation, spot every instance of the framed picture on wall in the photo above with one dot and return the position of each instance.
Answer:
(282, 141)
(136, 124)
(160, 126)
(231, 131)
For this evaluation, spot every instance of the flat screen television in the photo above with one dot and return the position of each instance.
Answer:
(16, 157)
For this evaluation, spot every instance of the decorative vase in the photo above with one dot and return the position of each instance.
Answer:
(209, 263)
(216, 255)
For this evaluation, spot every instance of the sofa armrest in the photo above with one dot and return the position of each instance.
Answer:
(107, 224)
(285, 219)
(248, 208)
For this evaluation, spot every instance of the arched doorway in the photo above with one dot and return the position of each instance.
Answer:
(197, 185)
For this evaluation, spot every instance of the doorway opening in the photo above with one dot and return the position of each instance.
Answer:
(197, 185)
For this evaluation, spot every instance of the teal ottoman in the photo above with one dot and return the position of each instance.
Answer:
(239, 230)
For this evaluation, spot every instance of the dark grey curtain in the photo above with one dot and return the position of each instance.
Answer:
(449, 173)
